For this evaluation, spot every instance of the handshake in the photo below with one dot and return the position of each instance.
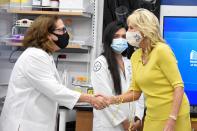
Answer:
(99, 101)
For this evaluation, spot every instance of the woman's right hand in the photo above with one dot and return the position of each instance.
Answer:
(125, 125)
(170, 125)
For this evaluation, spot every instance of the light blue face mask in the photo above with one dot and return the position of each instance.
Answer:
(119, 45)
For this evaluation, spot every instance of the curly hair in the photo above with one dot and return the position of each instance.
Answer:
(37, 34)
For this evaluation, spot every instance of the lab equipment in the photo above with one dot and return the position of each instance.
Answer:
(24, 23)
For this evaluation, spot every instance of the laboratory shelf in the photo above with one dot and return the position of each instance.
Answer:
(65, 13)
(74, 46)
(69, 49)
(73, 50)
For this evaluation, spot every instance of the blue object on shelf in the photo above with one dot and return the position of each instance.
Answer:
(17, 38)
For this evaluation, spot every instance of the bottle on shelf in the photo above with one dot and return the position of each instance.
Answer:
(76, 84)
(15, 4)
(26, 4)
(46, 5)
(80, 84)
(54, 5)
(36, 5)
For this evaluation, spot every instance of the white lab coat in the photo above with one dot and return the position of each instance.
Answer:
(34, 92)
(109, 119)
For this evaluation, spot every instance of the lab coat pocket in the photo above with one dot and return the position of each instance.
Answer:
(5, 123)
(25, 125)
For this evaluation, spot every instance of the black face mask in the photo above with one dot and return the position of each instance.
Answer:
(62, 41)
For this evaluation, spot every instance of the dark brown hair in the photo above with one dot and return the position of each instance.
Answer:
(109, 54)
(37, 34)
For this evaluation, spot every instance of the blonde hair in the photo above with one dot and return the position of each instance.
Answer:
(147, 23)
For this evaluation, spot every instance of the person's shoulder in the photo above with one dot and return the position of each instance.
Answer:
(160, 47)
(137, 54)
(36, 50)
(32, 51)
(36, 54)
(101, 59)
(99, 63)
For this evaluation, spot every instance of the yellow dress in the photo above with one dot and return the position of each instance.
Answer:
(157, 79)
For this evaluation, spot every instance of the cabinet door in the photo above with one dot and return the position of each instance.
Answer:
(194, 125)
(84, 121)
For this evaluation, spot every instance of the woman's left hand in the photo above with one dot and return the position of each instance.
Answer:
(136, 125)
(170, 125)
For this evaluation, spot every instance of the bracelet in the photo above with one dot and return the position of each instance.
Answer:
(172, 117)
(118, 100)
(114, 100)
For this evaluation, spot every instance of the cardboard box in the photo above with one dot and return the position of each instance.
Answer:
(65, 5)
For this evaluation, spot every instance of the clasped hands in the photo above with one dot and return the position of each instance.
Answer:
(99, 101)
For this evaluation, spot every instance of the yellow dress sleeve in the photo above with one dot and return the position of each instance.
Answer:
(168, 64)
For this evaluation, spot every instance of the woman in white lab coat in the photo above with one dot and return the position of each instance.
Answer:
(111, 75)
(35, 88)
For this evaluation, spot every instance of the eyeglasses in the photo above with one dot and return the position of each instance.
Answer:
(61, 30)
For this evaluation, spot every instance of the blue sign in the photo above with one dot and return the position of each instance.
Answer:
(181, 34)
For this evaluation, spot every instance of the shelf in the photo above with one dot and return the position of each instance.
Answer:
(66, 13)
(193, 119)
(3, 84)
(193, 116)
(2, 10)
(14, 44)
(71, 48)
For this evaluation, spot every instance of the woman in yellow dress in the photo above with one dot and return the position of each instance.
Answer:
(156, 74)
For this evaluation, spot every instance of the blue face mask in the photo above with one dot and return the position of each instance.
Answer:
(119, 45)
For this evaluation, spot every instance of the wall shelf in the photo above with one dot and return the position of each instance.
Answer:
(71, 48)
(73, 44)
(66, 13)
(3, 84)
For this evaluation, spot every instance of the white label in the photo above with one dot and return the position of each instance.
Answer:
(193, 58)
